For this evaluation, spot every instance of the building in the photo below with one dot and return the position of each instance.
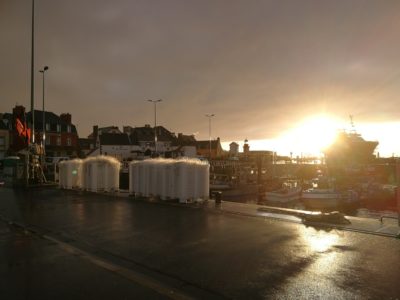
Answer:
(216, 151)
(138, 142)
(61, 136)
(246, 147)
(233, 149)
(117, 145)
(4, 136)
(144, 138)
(85, 146)
(187, 145)
(100, 130)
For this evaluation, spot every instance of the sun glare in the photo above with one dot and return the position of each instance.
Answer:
(311, 136)
(308, 137)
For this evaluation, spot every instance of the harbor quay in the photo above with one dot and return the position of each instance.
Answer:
(71, 244)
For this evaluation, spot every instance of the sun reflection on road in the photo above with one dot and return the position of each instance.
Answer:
(328, 271)
(319, 240)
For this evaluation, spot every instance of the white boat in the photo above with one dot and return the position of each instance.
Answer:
(290, 192)
(324, 195)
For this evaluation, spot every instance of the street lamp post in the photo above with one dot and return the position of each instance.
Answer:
(209, 116)
(155, 122)
(32, 73)
(45, 68)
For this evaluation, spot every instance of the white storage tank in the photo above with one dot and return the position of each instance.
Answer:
(70, 174)
(192, 177)
(101, 173)
(184, 179)
(133, 177)
(170, 180)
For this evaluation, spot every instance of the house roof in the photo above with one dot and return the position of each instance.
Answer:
(146, 134)
(206, 144)
(114, 139)
(107, 129)
(186, 140)
(50, 118)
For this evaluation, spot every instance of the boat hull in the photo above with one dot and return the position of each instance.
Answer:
(284, 197)
(328, 200)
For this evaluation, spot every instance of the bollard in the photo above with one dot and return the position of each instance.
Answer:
(218, 197)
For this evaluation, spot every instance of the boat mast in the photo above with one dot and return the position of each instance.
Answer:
(353, 128)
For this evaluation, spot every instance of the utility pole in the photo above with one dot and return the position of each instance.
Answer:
(155, 122)
(45, 68)
(32, 73)
(209, 116)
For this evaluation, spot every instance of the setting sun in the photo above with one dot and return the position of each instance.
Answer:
(311, 135)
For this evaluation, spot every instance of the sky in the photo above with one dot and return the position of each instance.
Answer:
(264, 68)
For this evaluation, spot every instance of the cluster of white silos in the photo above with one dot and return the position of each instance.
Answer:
(100, 173)
(184, 179)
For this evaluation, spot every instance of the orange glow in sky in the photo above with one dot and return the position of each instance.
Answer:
(311, 135)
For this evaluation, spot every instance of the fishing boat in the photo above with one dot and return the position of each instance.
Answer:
(290, 192)
(324, 195)
(349, 149)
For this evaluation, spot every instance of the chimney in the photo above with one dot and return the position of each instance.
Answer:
(95, 131)
(19, 111)
(66, 118)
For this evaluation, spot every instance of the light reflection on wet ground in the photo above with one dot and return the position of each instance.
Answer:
(240, 257)
(319, 240)
(319, 279)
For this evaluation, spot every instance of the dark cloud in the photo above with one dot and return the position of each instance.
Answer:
(260, 66)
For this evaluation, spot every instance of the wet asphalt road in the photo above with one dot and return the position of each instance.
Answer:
(222, 255)
(34, 268)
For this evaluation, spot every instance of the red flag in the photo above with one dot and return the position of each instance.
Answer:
(20, 127)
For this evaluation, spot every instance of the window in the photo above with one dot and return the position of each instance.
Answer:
(47, 140)
(68, 141)
(69, 128)
(2, 140)
(47, 127)
(58, 128)
(58, 141)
